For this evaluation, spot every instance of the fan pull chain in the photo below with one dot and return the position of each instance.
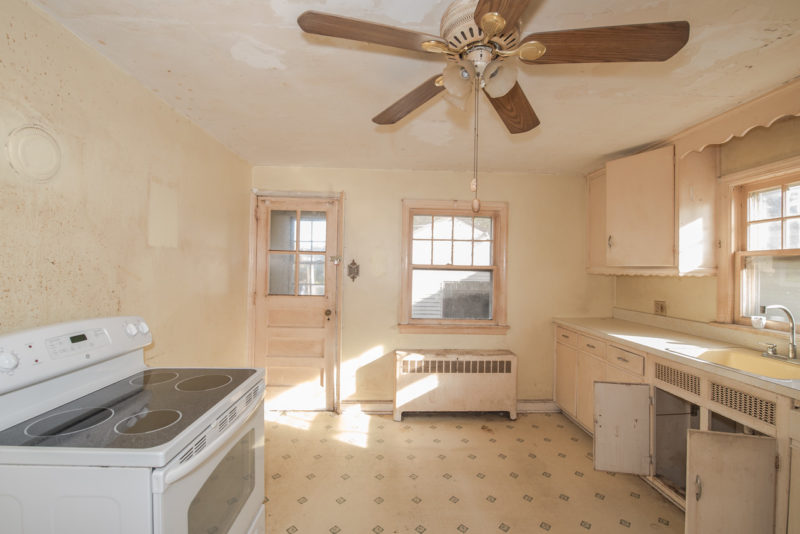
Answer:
(476, 204)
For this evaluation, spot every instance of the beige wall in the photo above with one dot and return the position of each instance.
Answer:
(148, 215)
(545, 266)
(695, 298)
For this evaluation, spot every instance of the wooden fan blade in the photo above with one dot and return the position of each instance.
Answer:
(361, 30)
(656, 41)
(511, 10)
(515, 110)
(427, 90)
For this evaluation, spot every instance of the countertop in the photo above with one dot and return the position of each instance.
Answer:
(675, 346)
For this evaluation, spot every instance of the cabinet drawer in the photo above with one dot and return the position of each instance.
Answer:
(626, 359)
(592, 345)
(568, 337)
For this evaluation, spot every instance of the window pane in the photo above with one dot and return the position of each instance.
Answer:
(792, 200)
(423, 227)
(282, 228)
(483, 253)
(281, 274)
(764, 205)
(462, 253)
(312, 230)
(791, 234)
(442, 252)
(483, 228)
(421, 252)
(462, 228)
(775, 280)
(443, 227)
(311, 277)
(764, 236)
(451, 294)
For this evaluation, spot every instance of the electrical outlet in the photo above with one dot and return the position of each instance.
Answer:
(660, 307)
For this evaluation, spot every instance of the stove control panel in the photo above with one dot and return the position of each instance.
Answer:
(39, 354)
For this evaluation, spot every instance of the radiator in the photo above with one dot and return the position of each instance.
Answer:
(455, 381)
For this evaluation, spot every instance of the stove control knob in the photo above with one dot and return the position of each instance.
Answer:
(143, 328)
(131, 329)
(8, 361)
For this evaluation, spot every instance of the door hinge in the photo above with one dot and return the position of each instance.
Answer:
(254, 298)
(777, 462)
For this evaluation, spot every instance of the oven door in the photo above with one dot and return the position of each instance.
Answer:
(220, 490)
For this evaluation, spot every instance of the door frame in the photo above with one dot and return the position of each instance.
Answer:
(252, 274)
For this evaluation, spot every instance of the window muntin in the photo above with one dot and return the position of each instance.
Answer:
(455, 264)
(297, 240)
(773, 218)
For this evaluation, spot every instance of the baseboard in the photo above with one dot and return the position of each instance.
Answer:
(386, 407)
(537, 406)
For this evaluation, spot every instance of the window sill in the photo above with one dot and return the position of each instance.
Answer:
(487, 330)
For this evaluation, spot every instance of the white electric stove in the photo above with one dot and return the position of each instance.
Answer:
(93, 441)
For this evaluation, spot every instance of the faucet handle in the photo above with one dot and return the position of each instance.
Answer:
(772, 349)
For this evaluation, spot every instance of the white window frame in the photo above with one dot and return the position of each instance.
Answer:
(498, 211)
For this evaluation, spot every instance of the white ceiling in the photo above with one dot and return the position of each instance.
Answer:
(245, 72)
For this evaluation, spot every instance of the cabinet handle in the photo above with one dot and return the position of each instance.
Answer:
(620, 358)
(565, 336)
(609, 241)
(590, 346)
(698, 488)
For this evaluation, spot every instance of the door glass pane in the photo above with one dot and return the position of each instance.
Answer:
(483, 253)
(443, 227)
(423, 226)
(442, 252)
(281, 274)
(312, 230)
(792, 200)
(462, 228)
(791, 234)
(483, 228)
(223, 495)
(764, 236)
(282, 228)
(764, 205)
(771, 280)
(421, 252)
(462, 253)
(440, 294)
(312, 274)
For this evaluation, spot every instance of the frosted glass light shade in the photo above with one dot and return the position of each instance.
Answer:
(500, 77)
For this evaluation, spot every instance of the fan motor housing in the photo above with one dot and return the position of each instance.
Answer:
(458, 28)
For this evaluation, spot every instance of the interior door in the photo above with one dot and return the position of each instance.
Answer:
(730, 483)
(622, 428)
(296, 300)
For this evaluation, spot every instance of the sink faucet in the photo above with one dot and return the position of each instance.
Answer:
(792, 342)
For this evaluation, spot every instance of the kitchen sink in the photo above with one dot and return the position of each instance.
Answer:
(751, 361)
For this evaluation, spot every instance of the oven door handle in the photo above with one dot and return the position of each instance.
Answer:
(163, 479)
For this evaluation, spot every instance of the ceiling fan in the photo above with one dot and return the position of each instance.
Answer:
(481, 40)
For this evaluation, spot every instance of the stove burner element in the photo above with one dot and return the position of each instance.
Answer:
(145, 422)
(153, 377)
(68, 422)
(203, 383)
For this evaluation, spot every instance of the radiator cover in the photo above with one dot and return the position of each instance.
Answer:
(455, 380)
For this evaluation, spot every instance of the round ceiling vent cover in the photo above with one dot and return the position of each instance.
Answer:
(33, 152)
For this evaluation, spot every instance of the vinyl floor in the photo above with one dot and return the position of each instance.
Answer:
(465, 473)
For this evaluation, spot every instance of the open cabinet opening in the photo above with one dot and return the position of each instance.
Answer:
(674, 417)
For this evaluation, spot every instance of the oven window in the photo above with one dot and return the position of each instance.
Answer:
(219, 501)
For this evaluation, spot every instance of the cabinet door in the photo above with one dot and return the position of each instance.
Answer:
(622, 428)
(730, 483)
(640, 209)
(590, 370)
(596, 221)
(794, 488)
(566, 366)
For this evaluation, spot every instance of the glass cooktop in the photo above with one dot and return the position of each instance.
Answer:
(142, 411)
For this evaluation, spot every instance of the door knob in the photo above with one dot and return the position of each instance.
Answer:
(328, 313)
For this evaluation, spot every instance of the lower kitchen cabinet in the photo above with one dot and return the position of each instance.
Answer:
(566, 366)
(590, 369)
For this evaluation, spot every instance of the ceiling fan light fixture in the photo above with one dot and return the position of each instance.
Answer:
(500, 77)
(457, 79)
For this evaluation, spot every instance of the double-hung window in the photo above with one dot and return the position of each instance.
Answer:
(454, 267)
(768, 257)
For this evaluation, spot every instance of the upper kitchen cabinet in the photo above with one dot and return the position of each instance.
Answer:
(652, 214)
